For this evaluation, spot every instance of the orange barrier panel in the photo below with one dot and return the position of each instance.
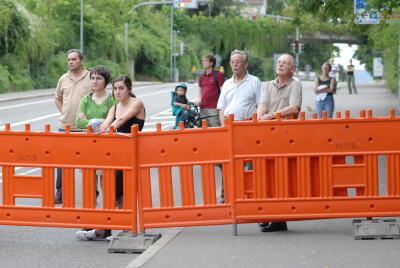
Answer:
(75, 153)
(271, 170)
(182, 155)
(314, 169)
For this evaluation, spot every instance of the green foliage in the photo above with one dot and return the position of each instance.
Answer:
(375, 40)
(14, 27)
(36, 34)
(385, 37)
(4, 79)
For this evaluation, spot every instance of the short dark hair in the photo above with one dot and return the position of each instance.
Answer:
(127, 82)
(80, 54)
(210, 58)
(103, 71)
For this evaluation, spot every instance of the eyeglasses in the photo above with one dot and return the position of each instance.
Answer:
(238, 62)
(288, 63)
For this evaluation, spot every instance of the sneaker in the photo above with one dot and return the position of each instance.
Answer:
(111, 237)
(89, 235)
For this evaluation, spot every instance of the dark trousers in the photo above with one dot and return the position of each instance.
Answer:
(59, 182)
(59, 170)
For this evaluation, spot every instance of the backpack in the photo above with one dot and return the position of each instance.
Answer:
(215, 77)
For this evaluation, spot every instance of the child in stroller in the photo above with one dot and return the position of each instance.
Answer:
(184, 110)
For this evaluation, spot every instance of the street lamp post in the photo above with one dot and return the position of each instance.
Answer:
(168, 2)
(81, 28)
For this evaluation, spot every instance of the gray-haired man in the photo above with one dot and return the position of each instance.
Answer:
(241, 93)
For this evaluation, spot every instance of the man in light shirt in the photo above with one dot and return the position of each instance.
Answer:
(71, 87)
(241, 93)
(282, 95)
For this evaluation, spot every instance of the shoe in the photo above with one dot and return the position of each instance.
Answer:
(263, 224)
(110, 237)
(275, 227)
(58, 199)
(91, 235)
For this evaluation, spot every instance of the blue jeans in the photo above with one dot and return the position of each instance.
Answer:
(328, 104)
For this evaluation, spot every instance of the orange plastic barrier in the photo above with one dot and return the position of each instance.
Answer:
(75, 153)
(314, 169)
(271, 170)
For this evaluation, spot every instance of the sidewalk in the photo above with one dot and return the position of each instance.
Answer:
(371, 95)
(314, 243)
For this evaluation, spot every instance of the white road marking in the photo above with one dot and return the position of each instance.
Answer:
(31, 120)
(25, 104)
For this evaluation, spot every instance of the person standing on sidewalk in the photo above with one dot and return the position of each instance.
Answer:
(333, 73)
(210, 84)
(240, 93)
(323, 88)
(71, 87)
(122, 116)
(282, 95)
(351, 82)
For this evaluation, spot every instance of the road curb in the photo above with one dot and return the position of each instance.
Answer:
(155, 248)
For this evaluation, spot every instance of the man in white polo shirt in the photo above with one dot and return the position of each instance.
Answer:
(241, 93)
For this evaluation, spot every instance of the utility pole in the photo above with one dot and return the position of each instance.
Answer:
(170, 2)
(81, 28)
(174, 4)
(171, 64)
(297, 52)
(398, 77)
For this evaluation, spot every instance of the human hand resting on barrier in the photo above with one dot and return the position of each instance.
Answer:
(268, 116)
(101, 129)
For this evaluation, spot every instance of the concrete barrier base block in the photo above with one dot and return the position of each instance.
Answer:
(376, 229)
(126, 242)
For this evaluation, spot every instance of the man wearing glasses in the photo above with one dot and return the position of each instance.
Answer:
(241, 93)
(282, 95)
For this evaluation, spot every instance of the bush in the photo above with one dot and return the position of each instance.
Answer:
(21, 82)
(4, 79)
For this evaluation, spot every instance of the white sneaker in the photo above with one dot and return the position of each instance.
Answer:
(87, 235)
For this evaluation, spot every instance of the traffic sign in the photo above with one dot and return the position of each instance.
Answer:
(364, 13)
(186, 4)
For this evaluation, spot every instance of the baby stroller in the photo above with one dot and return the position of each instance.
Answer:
(190, 117)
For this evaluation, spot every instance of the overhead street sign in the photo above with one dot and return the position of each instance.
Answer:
(186, 4)
(364, 15)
